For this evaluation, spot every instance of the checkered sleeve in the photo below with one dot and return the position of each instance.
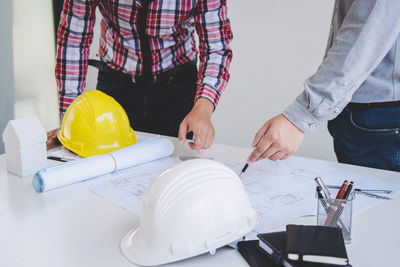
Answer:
(215, 35)
(74, 36)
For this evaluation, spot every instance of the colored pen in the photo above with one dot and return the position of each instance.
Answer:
(326, 205)
(339, 211)
(342, 190)
(348, 191)
(336, 204)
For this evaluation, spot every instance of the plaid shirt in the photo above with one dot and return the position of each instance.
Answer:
(170, 26)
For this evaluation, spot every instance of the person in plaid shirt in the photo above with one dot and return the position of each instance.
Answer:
(148, 60)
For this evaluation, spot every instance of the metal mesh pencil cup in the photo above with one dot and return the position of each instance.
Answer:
(336, 213)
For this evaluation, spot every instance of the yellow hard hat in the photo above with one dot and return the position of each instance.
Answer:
(95, 124)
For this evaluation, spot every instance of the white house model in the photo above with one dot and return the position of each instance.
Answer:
(25, 146)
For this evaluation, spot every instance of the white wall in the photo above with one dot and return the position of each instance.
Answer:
(34, 61)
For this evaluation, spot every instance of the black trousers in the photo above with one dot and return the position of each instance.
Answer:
(155, 107)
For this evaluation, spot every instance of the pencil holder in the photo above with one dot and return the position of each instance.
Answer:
(336, 213)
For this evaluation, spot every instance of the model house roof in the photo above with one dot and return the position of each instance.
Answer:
(24, 132)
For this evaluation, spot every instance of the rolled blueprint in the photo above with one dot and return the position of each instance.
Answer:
(83, 169)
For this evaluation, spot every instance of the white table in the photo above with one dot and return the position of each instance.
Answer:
(71, 226)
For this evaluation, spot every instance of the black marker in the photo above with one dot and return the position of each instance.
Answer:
(244, 169)
(57, 158)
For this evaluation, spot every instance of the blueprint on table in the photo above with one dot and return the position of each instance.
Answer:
(126, 188)
(280, 191)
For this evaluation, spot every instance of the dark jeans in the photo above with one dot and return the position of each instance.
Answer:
(157, 107)
(367, 136)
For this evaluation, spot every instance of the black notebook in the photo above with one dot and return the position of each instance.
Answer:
(254, 255)
(274, 245)
(315, 244)
(258, 257)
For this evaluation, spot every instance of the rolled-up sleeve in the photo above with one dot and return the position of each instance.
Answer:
(367, 33)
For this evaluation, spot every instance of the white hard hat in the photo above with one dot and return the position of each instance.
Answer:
(193, 207)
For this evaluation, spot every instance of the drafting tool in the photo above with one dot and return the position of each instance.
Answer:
(326, 205)
(372, 195)
(247, 165)
(244, 169)
(338, 212)
(58, 159)
(183, 158)
(336, 205)
(368, 192)
(321, 183)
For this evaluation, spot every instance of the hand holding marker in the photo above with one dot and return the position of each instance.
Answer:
(247, 164)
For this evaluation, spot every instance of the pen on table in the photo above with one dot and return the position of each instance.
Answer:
(244, 169)
(57, 158)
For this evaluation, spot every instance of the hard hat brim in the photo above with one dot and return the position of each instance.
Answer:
(149, 257)
(65, 142)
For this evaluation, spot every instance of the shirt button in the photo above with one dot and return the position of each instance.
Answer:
(311, 125)
(336, 110)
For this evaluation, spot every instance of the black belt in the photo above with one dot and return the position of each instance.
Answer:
(120, 76)
(391, 104)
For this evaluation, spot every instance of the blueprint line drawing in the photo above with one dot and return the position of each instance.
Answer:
(280, 191)
(126, 188)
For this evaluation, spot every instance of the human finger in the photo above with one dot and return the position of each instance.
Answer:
(52, 139)
(194, 146)
(183, 129)
(286, 156)
(259, 150)
(260, 133)
(210, 137)
(198, 143)
(278, 155)
(271, 150)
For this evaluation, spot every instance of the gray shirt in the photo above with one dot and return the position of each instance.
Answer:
(361, 64)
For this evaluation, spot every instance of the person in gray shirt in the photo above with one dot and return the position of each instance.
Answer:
(356, 88)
